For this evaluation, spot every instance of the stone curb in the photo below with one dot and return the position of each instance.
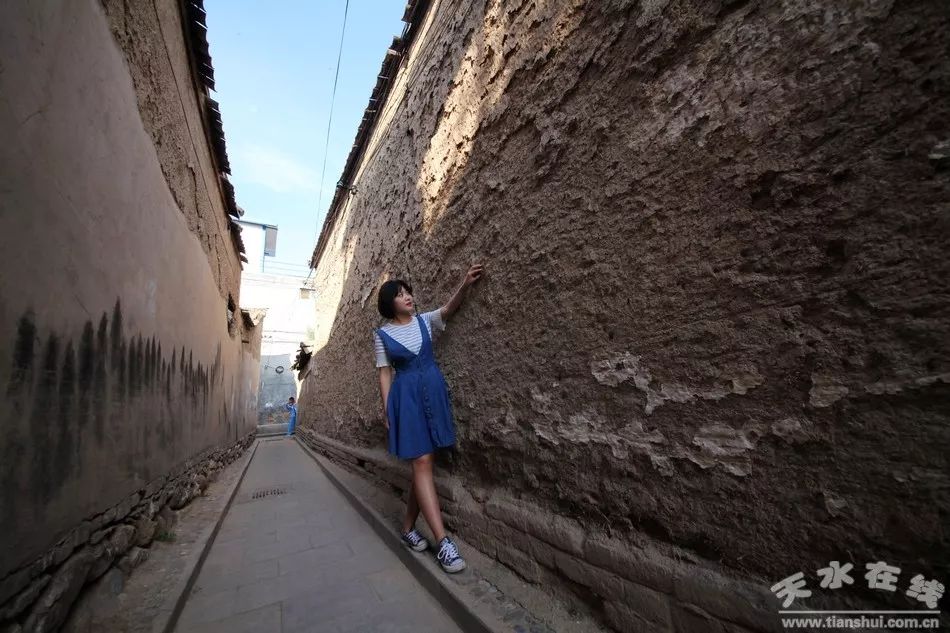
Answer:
(430, 577)
(168, 619)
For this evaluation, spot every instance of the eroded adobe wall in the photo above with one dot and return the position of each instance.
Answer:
(715, 312)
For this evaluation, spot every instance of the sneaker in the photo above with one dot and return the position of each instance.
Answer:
(415, 541)
(449, 556)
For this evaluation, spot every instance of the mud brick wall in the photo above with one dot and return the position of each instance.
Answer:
(715, 314)
(119, 360)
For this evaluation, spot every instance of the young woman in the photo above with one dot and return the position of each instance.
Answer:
(416, 407)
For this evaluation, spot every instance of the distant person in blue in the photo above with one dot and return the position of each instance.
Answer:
(292, 407)
(416, 407)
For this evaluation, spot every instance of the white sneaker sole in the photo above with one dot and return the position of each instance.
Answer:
(454, 568)
(421, 547)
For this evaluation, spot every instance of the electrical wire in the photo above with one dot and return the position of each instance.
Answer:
(326, 148)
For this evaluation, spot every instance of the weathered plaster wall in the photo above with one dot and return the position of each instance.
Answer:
(171, 103)
(715, 312)
(117, 359)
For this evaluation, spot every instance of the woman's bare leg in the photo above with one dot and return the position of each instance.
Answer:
(412, 510)
(423, 486)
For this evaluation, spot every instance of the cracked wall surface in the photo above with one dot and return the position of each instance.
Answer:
(715, 311)
(118, 359)
(170, 103)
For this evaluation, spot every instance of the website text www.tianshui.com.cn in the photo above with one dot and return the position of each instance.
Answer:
(868, 622)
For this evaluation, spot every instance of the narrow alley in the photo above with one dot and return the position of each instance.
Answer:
(293, 556)
(494, 316)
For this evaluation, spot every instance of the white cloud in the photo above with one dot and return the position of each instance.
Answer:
(275, 170)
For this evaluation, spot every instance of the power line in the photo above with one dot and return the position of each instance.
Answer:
(286, 265)
(326, 149)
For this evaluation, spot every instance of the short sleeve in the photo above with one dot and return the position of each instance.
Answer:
(382, 360)
(435, 320)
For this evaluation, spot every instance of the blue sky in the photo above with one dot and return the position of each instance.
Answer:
(274, 65)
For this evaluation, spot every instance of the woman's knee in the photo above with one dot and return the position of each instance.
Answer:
(423, 461)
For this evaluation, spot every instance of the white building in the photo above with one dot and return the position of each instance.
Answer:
(291, 314)
(260, 241)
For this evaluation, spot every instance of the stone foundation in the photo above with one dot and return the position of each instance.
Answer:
(38, 596)
(638, 586)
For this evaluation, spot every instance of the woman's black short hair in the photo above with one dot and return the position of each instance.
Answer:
(387, 292)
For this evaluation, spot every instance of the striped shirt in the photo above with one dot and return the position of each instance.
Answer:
(409, 335)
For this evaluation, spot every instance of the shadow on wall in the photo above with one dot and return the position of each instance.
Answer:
(341, 285)
(716, 267)
(119, 405)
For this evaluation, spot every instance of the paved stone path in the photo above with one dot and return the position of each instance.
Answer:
(265, 430)
(298, 558)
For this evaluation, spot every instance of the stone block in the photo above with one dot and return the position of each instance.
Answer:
(167, 520)
(151, 509)
(179, 497)
(484, 543)
(560, 532)
(451, 521)
(447, 487)
(520, 563)
(541, 552)
(728, 599)
(601, 581)
(623, 619)
(691, 619)
(40, 565)
(556, 530)
(155, 485)
(14, 583)
(121, 538)
(135, 557)
(96, 523)
(50, 611)
(648, 604)
(635, 564)
(103, 556)
(504, 533)
(144, 531)
(100, 535)
(83, 532)
(24, 599)
(126, 505)
(473, 515)
(506, 512)
(64, 548)
(109, 516)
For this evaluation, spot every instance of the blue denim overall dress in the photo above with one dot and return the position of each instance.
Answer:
(420, 414)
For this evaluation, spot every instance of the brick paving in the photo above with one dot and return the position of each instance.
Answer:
(293, 556)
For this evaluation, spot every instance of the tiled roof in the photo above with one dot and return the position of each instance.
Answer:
(196, 29)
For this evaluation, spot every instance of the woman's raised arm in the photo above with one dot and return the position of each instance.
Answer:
(474, 274)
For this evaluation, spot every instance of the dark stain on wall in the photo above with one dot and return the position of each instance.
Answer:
(100, 387)
(121, 388)
(116, 335)
(22, 354)
(65, 441)
(86, 355)
(44, 399)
